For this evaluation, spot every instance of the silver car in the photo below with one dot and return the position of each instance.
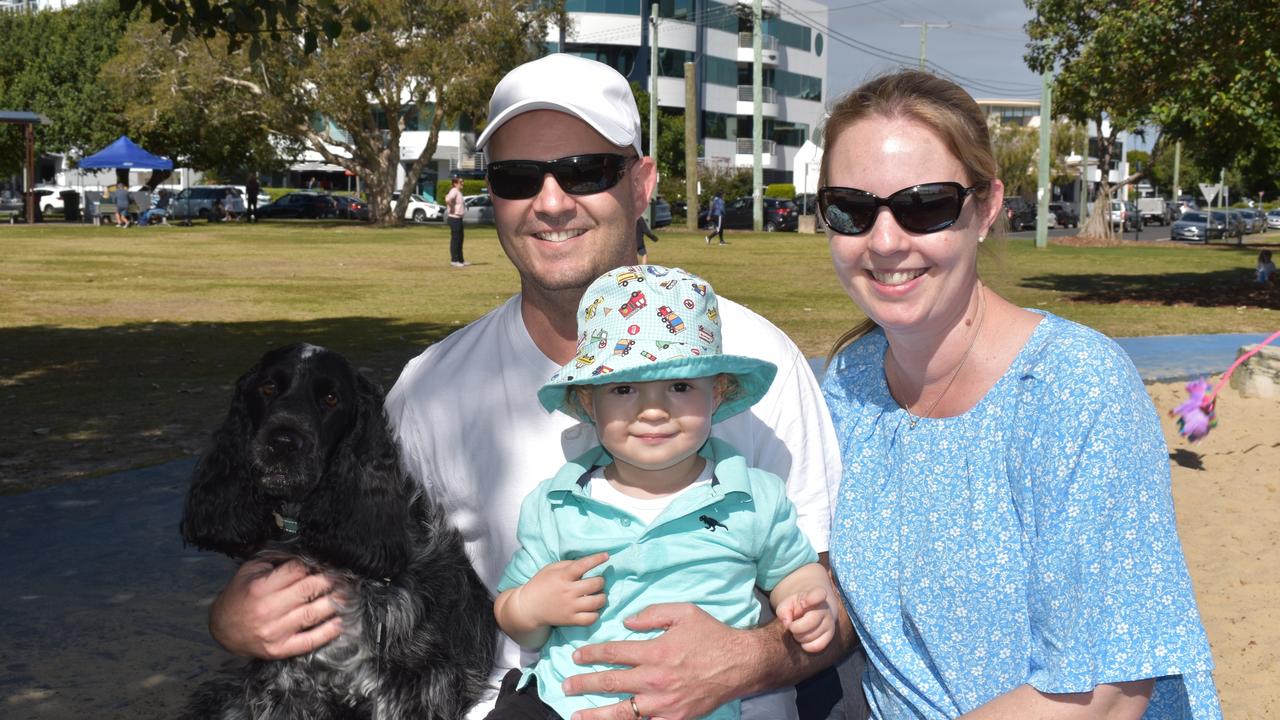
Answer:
(1191, 227)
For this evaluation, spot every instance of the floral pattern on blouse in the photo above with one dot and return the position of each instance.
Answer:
(1030, 540)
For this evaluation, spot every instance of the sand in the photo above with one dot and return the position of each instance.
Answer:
(1226, 492)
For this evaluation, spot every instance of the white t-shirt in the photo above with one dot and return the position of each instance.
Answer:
(472, 431)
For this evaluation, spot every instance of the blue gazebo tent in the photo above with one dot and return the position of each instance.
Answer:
(124, 153)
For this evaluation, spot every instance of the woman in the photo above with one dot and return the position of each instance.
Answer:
(1004, 533)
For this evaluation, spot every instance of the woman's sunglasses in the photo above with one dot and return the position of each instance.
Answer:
(919, 209)
(576, 174)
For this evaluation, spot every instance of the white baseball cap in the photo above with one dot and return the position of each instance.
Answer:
(588, 90)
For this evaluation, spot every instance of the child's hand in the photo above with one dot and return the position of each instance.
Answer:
(558, 595)
(809, 618)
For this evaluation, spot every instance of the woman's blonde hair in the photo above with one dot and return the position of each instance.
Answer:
(937, 104)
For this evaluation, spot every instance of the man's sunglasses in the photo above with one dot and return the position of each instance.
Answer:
(576, 174)
(919, 209)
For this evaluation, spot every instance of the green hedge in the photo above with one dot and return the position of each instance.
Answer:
(469, 187)
(786, 191)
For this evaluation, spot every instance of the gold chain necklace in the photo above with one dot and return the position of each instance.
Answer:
(982, 317)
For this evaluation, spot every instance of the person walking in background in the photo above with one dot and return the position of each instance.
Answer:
(716, 216)
(642, 232)
(251, 189)
(456, 209)
(120, 196)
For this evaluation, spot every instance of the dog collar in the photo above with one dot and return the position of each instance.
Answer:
(287, 524)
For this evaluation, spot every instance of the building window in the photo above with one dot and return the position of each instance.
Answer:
(796, 85)
(719, 71)
(619, 57)
(671, 62)
(780, 131)
(676, 9)
(719, 125)
(788, 33)
(620, 7)
(721, 16)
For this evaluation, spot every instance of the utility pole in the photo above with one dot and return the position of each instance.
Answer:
(1177, 167)
(757, 114)
(691, 145)
(1042, 189)
(653, 98)
(924, 34)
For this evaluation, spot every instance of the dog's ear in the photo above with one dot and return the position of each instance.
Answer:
(358, 518)
(225, 509)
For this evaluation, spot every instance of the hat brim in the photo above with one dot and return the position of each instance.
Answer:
(754, 378)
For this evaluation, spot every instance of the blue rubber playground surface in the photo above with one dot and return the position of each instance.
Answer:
(1164, 358)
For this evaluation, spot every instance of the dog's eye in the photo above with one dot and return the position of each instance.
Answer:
(331, 399)
(268, 389)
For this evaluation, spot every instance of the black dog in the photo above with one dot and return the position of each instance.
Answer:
(305, 467)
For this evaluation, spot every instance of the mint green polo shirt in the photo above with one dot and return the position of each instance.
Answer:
(712, 546)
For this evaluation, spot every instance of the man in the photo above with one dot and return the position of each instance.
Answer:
(456, 210)
(251, 189)
(568, 181)
(716, 217)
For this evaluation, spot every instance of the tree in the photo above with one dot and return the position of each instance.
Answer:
(239, 22)
(1016, 147)
(426, 62)
(1167, 64)
(670, 158)
(49, 63)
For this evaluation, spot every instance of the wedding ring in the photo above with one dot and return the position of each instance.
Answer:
(635, 709)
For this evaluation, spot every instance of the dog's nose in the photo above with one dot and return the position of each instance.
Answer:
(283, 441)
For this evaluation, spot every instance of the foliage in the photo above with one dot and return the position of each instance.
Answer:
(732, 182)
(1166, 63)
(49, 64)
(351, 99)
(786, 191)
(239, 22)
(670, 144)
(470, 186)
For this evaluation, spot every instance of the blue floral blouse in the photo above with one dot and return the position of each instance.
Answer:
(1030, 540)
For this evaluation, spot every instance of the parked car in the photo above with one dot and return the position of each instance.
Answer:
(1273, 219)
(806, 203)
(420, 209)
(1153, 211)
(661, 212)
(1175, 210)
(197, 202)
(49, 197)
(479, 209)
(779, 215)
(1253, 221)
(263, 198)
(350, 208)
(1124, 216)
(1020, 213)
(1191, 226)
(309, 205)
(1233, 224)
(1065, 214)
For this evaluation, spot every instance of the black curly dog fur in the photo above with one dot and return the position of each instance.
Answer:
(307, 440)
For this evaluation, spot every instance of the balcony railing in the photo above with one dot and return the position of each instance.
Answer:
(767, 147)
(768, 42)
(767, 95)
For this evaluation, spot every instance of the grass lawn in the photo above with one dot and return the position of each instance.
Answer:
(118, 348)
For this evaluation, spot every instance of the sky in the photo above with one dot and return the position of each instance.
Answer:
(982, 49)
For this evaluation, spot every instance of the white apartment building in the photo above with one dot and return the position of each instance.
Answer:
(716, 36)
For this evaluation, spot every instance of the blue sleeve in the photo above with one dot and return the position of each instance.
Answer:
(782, 547)
(1110, 599)
(538, 541)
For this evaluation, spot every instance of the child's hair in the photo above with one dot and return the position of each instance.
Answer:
(730, 389)
(1264, 257)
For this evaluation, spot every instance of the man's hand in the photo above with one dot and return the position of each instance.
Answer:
(275, 613)
(693, 667)
(809, 618)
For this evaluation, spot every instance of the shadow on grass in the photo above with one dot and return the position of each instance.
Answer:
(1218, 288)
(82, 402)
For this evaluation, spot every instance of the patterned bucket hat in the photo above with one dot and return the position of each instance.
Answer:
(647, 322)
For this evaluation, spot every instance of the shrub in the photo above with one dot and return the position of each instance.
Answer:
(785, 191)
